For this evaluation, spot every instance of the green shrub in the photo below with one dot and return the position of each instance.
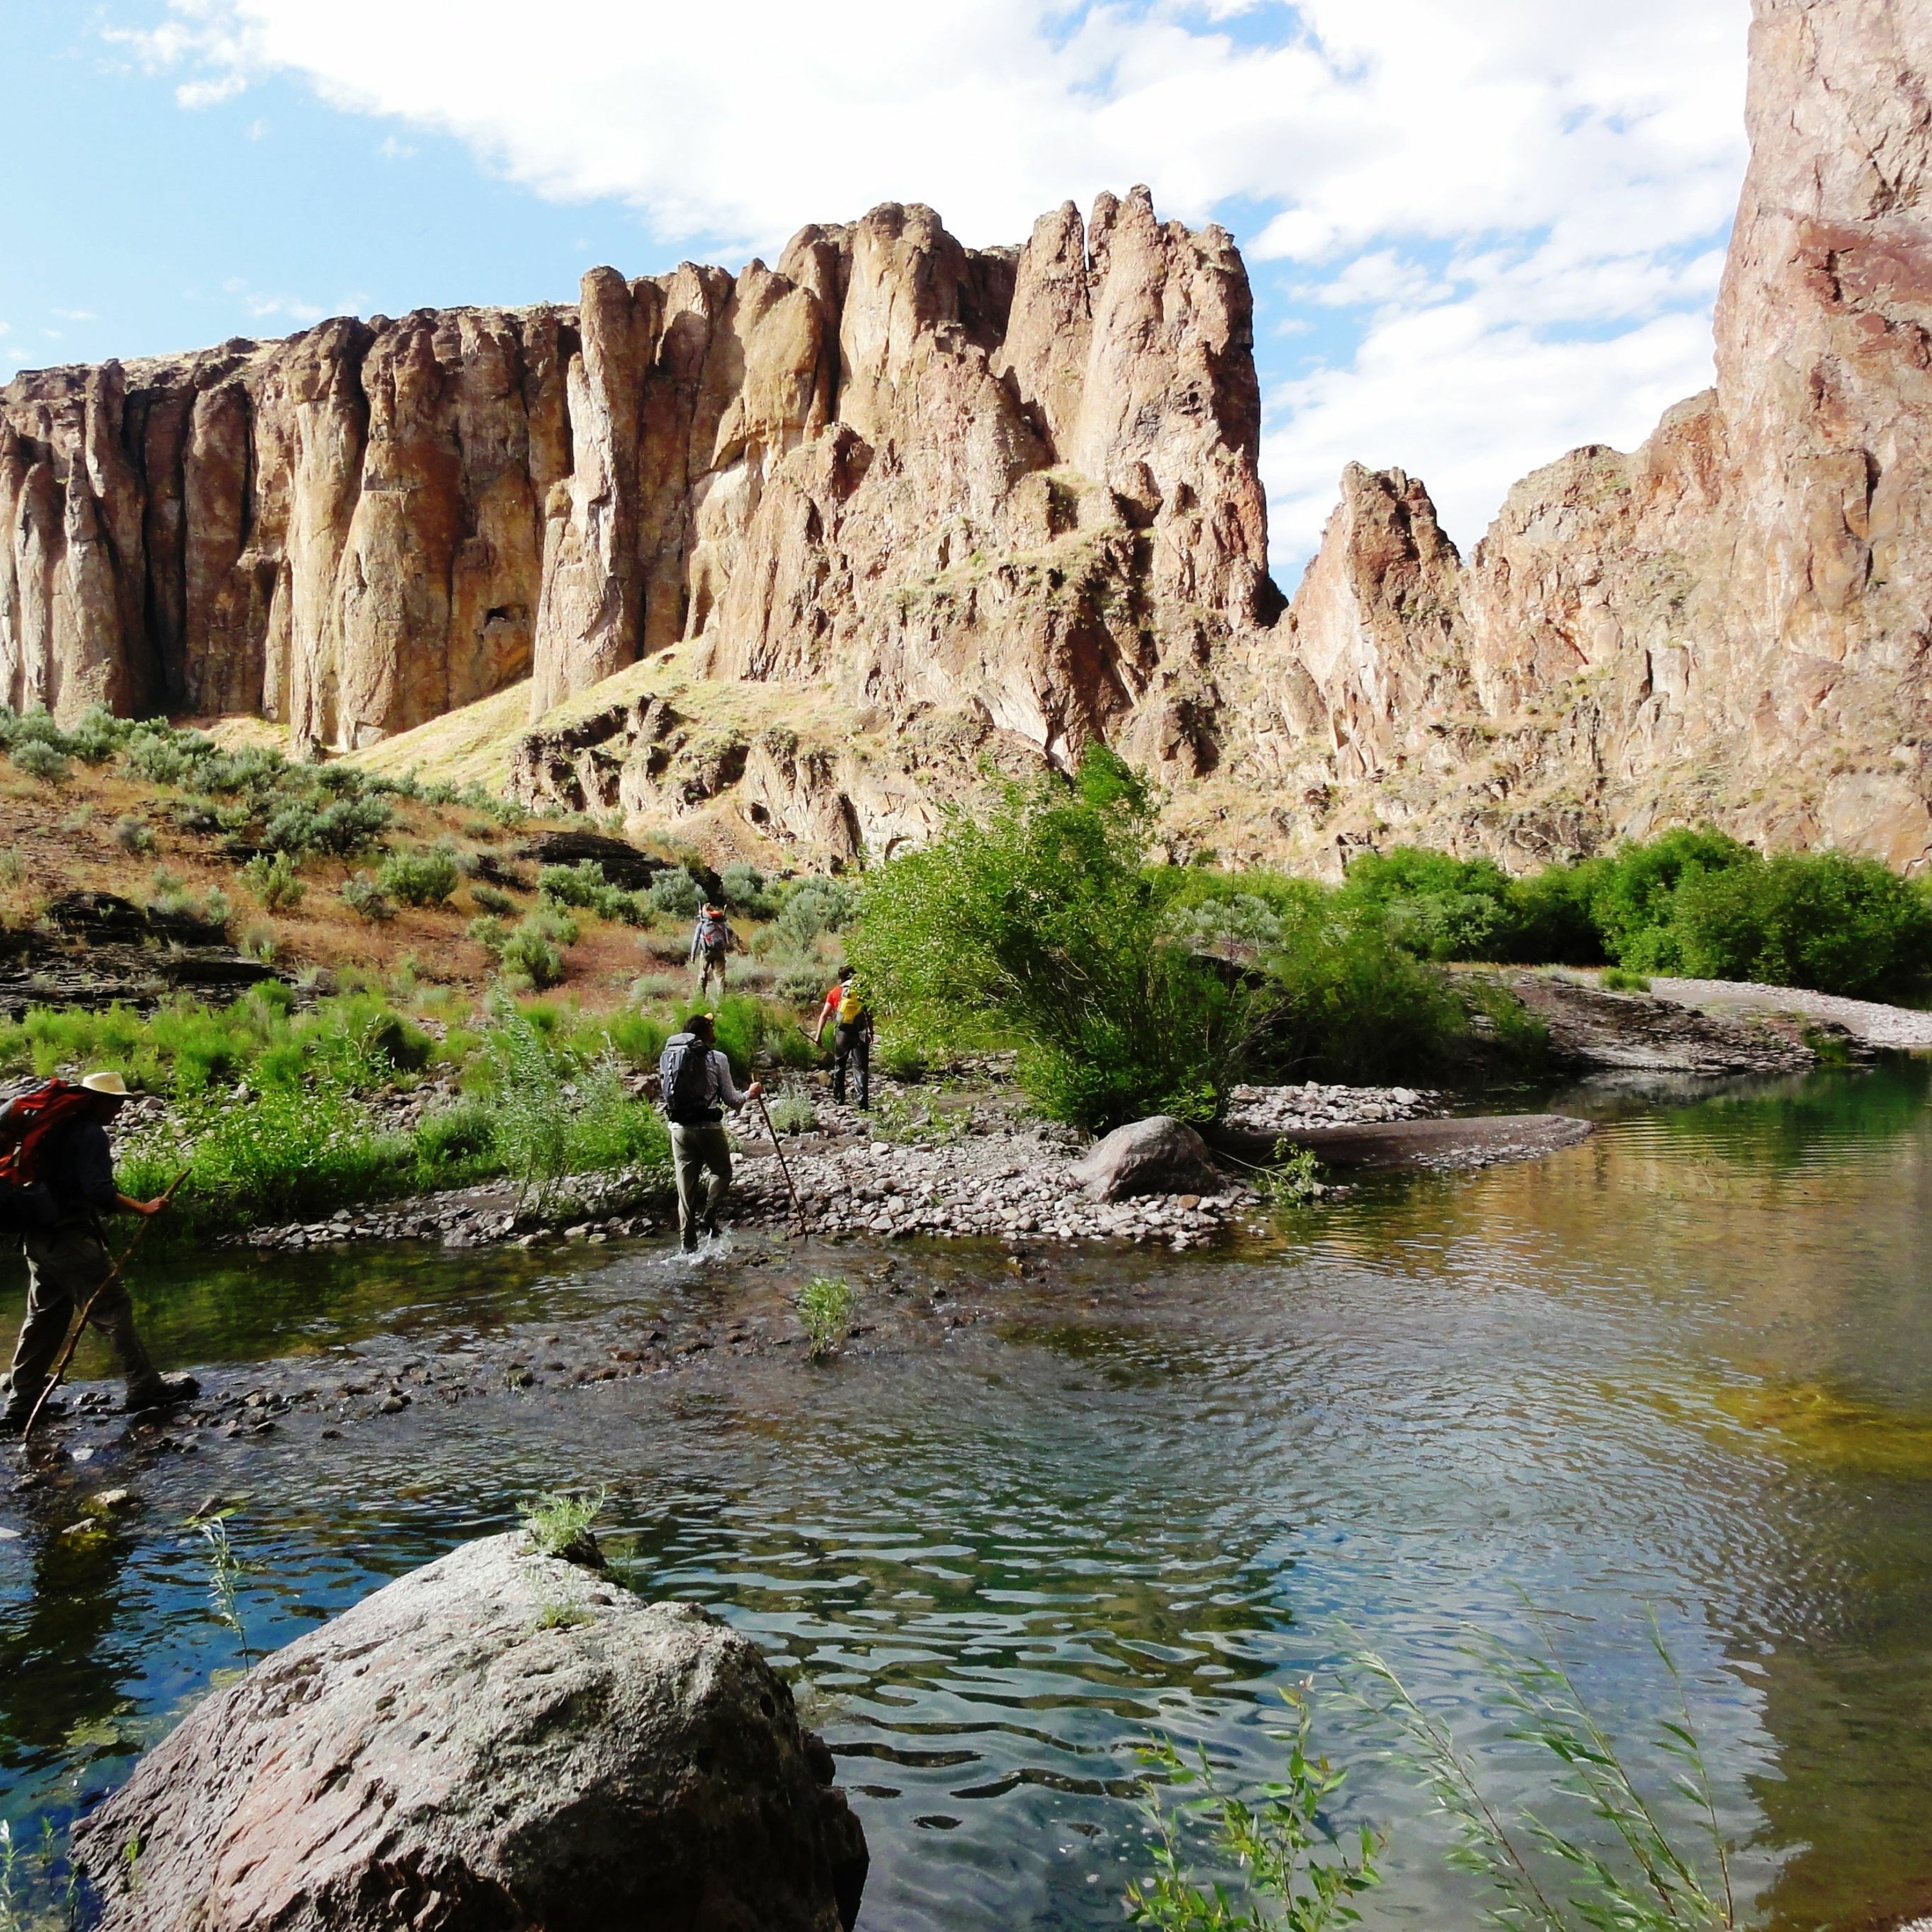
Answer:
(362, 894)
(491, 898)
(1269, 1840)
(819, 904)
(803, 983)
(903, 1061)
(488, 932)
(584, 886)
(426, 876)
(455, 1144)
(609, 1130)
(1043, 928)
(1354, 1004)
(346, 826)
(532, 951)
(272, 878)
(675, 892)
(638, 1039)
(1836, 924)
(39, 759)
(744, 890)
(98, 735)
(291, 1153)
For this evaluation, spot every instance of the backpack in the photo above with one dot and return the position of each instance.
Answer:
(684, 1079)
(851, 1003)
(26, 1126)
(714, 934)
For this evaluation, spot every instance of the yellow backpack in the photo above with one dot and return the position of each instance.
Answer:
(851, 1003)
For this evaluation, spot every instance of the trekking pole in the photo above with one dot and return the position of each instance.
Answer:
(798, 1206)
(80, 1328)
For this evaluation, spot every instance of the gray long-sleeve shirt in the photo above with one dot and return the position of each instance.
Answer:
(720, 1085)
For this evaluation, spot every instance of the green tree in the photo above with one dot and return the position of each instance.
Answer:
(1042, 928)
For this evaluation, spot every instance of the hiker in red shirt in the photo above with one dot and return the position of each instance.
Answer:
(62, 1159)
(851, 1021)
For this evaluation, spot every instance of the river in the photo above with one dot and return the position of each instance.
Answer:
(1684, 1369)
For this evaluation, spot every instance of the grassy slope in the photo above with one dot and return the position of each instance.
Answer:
(476, 742)
(60, 838)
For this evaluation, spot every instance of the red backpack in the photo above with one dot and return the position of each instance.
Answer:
(26, 1125)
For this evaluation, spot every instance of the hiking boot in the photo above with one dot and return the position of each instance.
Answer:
(709, 1228)
(13, 1417)
(162, 1391)
(688, 1243)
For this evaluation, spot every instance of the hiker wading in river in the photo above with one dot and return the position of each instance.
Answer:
(698, 1086)
(56, 1139)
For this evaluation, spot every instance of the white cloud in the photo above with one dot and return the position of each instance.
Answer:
(393, 150)
(266, 307)
(210, 93)
(73, 315)
(1469, 405)
(1503, 177)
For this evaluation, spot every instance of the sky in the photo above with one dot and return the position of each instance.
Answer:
(1480, 232)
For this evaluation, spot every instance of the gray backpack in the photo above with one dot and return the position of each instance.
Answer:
(684, 1078)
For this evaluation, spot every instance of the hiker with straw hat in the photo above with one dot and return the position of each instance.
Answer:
(68, 1266)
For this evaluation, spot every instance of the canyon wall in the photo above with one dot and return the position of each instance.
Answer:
(1016, 483)
(1733, 622)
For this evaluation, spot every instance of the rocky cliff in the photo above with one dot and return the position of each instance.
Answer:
(1731, 623)
(1019, 484)
(795, 554)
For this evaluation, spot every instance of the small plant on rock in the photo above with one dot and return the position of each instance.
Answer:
(1295, 1179)
(560, 1525)
(792, 1111)
(825, 1306)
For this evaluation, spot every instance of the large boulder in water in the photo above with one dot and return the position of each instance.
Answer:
(1160, 1155)
(500, 1740)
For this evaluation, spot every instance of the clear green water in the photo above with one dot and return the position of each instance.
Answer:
(1687, 1365)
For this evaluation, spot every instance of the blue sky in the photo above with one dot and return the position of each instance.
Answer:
(1481, 231)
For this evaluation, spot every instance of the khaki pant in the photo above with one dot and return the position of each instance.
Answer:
(694, 1151)
(65, 1266)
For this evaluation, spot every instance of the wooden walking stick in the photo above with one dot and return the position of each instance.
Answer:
(80, 1328)
(798, 1206)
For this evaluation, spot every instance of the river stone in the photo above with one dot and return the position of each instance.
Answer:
(499, 1740)
(1160, 1155)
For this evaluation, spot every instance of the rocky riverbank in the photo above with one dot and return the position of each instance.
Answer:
(942, 1160)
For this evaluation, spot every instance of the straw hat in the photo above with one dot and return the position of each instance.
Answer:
(111, 1084)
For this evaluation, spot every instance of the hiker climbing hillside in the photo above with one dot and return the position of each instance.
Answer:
(695, 1079)
(57, 1171)
(711, 941)
(851, 1021)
